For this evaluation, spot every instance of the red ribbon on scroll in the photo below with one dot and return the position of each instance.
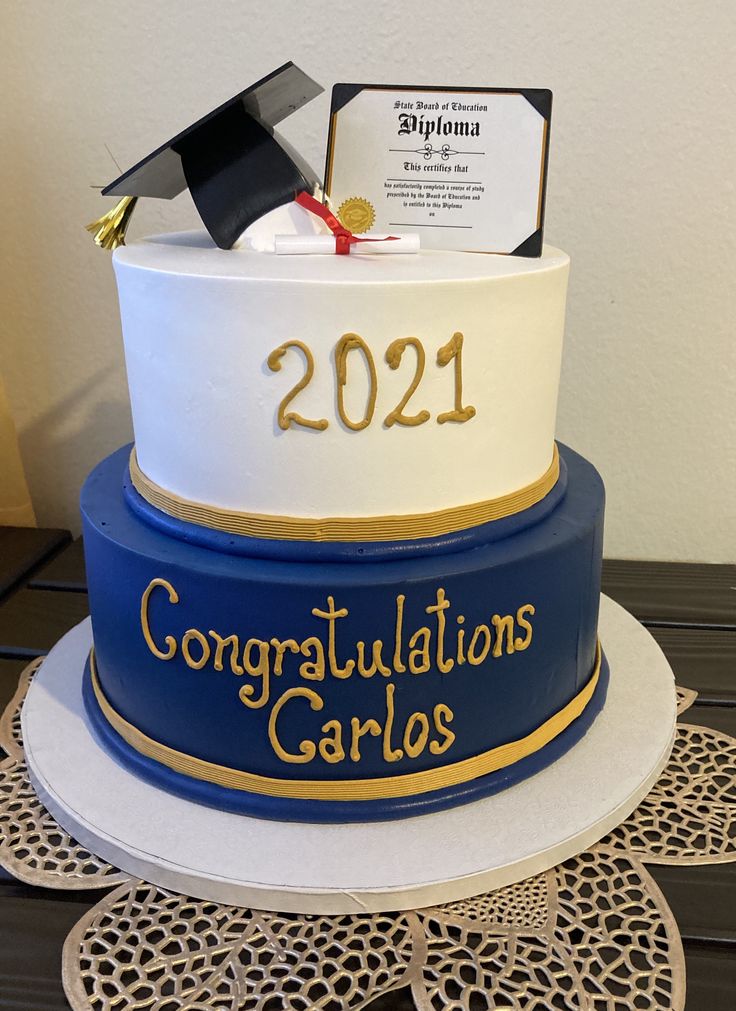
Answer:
(344, 238)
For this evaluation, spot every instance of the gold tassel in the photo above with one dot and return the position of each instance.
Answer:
(109, 231)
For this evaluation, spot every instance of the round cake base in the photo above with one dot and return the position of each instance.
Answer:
(360, 867)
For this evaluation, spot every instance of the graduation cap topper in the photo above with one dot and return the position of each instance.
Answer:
(234, 164)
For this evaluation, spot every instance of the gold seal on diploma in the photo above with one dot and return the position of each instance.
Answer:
(357, 214)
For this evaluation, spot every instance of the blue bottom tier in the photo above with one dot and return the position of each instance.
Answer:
(343, 690)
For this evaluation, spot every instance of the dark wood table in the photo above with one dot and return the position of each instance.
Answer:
(690, 610)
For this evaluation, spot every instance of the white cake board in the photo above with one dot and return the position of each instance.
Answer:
(370, 867)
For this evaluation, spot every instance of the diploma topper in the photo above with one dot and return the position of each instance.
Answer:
(466, 168)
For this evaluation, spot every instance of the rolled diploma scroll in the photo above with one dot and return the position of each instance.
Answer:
(286, 245)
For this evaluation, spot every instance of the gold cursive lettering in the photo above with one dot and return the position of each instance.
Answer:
(307, 749)
(390, 754)
(519, 643)
(439, 608)
(441, 711)
(261, 669)
(331, 616)
(503, 624)
(419, 655)
(194, 635)
(169, 639)
(416, 747)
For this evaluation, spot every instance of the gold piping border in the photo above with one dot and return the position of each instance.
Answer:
(350, 789)
(403, 527)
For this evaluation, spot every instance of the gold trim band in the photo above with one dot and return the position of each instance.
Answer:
(382, 788)
(403, 527)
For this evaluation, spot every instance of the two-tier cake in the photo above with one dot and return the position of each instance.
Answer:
(344, 573)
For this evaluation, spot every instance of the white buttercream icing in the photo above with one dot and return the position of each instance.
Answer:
(199, 324)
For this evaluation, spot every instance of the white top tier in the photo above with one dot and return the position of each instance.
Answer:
(200, 325)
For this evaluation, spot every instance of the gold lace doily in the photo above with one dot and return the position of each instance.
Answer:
(592, 934)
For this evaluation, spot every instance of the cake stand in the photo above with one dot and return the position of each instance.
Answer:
(364, 867)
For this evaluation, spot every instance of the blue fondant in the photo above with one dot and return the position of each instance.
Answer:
(553, 564)
(278, 809)
(342, 551)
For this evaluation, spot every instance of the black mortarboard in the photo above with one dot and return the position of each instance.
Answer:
(234, 164)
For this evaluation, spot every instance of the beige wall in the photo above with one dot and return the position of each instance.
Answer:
(641, 195)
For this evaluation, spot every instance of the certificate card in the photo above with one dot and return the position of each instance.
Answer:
(465, 168)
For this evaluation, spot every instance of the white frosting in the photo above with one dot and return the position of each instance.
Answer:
(199, 324)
